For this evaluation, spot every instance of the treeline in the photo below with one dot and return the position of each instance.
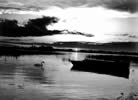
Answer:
(47, 49)
(34, 27)
(17, 51)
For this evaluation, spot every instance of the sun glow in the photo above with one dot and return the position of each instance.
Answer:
(76, 49)
(96, 20)
(91, 20)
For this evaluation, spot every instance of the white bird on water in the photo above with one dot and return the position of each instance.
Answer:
(39, 64)
(21, 86)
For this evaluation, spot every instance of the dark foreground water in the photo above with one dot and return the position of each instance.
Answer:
(21, 80)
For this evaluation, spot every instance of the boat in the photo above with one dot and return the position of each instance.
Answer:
(117, 68)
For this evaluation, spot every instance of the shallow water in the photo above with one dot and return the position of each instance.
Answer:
(21, 80)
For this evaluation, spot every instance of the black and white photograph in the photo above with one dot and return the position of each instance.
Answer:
(68, 50)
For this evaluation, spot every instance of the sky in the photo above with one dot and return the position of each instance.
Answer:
(107, 20)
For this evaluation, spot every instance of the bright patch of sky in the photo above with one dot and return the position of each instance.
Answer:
(102, 19)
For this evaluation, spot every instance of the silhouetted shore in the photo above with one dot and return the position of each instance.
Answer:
(17, 51)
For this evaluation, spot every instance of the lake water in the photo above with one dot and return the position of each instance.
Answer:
(21, 80)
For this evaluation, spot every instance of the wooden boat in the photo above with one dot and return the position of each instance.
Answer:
(109, 67)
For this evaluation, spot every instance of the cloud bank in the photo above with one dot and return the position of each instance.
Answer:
(34, 27)
(120, 5)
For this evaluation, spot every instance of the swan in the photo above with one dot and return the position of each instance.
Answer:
(21, 86)
(39, 64)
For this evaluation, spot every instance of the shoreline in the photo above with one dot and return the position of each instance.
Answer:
(18, 51)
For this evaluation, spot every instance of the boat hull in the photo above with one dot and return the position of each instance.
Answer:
(115, 68)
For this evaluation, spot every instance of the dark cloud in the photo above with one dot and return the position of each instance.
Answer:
(34, 27)
(3, 1)
(11, 8)
(25, 7)
(76, 33)
(121, 5)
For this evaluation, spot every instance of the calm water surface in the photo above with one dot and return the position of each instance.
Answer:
(21, 80)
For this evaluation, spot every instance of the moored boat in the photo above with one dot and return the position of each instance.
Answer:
(109, 67)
